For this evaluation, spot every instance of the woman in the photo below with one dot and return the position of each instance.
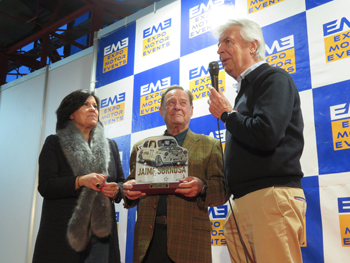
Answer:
(80, 176)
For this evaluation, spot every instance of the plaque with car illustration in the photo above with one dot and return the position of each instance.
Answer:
(160, 164)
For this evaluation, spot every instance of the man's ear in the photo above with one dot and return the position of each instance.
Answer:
(161, 110)
(254, 46)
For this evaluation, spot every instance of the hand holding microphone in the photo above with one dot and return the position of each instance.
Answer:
(218, 103)
(214, 74)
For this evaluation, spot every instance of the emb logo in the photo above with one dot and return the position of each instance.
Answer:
(336, 39)
(282, 54)
(115, 55)
(151, 95)
(218, 215)
(156, 38)
(112, 109)
(340, 128)
(199, 17)
(257, 5)
(344, 220)
(200, 81)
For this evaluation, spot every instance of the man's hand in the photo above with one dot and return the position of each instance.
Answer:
(190, 186)
(132, 195)
(218, 103)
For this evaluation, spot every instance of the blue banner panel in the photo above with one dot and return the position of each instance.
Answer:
(197, 22)
(123, 143)
(332, 122)
(130, 234)
(116, 52)
(287, 48)
(312, 249)
(208, 125)
(314, 3)
(148, 88)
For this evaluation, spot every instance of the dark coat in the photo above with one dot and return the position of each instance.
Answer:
(57, 186)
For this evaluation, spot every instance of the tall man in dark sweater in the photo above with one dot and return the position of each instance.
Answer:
(264, 142)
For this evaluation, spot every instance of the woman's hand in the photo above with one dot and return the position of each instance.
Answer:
(94, 181)
(110, 190)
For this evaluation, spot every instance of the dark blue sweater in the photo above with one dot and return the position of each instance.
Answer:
(264, 138)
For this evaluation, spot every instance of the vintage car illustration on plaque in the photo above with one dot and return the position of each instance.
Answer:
(162, 150)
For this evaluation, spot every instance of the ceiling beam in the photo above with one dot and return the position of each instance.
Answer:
(56, 11)
(96, 21)
(68, 40)
(29, 62)
(44, 50)
(114, 8)
(50, 28)
(3, 72)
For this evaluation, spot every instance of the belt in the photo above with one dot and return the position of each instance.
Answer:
(162, 220)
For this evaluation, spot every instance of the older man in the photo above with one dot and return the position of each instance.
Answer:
(176, 228)
(264, 143)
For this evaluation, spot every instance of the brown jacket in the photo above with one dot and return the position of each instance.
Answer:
(189, 228)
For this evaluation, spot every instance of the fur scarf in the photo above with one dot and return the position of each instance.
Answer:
(93, 212)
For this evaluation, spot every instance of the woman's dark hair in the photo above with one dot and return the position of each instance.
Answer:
(70, 104)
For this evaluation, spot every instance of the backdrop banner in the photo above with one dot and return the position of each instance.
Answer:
(310, 39)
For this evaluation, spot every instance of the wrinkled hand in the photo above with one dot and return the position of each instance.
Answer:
(92, 180)
(190, 186)
(110, 190)
(132, 195)
(218, 103)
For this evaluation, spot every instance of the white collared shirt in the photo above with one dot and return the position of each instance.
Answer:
(245, 73)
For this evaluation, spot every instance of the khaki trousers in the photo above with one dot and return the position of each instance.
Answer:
(271, 223)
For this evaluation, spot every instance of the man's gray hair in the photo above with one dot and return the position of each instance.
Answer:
(250, 31)
(190, 96)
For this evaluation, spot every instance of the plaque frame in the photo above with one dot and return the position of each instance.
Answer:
(156, 188)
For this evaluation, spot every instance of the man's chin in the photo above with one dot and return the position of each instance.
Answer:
(176, 122)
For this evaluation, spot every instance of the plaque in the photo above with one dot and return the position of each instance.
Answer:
(156, 188)
(160, 164)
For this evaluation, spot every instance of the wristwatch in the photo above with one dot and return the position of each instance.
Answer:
(224, 116)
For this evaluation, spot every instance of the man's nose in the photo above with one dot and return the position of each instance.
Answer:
(177, 106)
(220, 50)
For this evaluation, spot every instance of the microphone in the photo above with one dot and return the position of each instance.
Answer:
(214, 74)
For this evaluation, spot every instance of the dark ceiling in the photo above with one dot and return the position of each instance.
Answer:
(23, 22)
